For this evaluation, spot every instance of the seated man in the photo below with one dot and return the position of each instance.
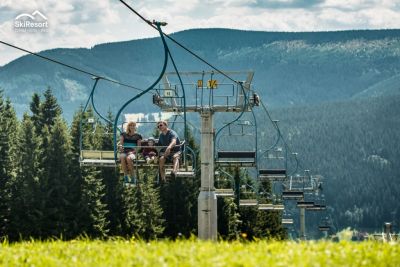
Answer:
(168, 138)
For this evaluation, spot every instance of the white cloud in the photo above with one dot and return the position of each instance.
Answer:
(76, 23)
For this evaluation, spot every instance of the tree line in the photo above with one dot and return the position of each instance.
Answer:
(45, 193)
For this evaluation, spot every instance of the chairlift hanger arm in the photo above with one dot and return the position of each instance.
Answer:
(83, 112)
(145, 91)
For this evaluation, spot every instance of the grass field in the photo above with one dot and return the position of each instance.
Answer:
(198, 253)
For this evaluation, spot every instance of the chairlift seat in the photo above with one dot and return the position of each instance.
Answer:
(292, 194)
(97, 158)
(272, 174)
(224, 192)
(305, 204)
(248, 202)
(323, 228)
(270, 206)
(181, 173)
(287, 221)
(316, 207)
(238, 158)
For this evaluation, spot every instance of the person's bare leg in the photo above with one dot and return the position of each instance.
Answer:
(123, 165)
(130, 166)
(176, 163)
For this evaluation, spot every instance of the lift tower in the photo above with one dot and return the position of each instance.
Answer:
(206, 93)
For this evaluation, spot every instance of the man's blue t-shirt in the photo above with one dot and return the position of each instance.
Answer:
(166, 139)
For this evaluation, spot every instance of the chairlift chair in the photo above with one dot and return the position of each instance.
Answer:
(305, 204)
(287, 221)
(248, 202)
(224, 192)
(236, 135)
(324, 228)
(236, 158)
(272, 174)
(270, 206)
(292, 194)
(316, 207)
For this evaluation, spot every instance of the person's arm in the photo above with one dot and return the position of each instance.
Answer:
(121, 144)
(171, 144)
(139, 140)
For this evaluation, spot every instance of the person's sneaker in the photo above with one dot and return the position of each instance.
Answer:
(126, 179)
(133, 180)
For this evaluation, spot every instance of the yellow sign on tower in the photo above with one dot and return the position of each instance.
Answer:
(212, 84)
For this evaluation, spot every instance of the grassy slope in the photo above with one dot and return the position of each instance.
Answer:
(197, 253)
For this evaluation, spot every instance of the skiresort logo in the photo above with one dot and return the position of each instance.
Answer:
(35, 22)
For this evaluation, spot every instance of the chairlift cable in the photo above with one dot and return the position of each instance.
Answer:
(179, 44)
(185, 133)
(83, 113)
(70, 66)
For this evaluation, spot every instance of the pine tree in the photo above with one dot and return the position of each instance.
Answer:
(228, 218)
(49, 109)
(228, 214)
(94, 211)
(88, 182)
(56, 189)
(148, 212)
(25, 216)
(36, 112)
(113, 185)
(8, 129)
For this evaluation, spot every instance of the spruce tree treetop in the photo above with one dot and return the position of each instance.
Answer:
(49, 108)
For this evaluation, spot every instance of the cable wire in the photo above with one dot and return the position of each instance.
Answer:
(70, 66)
(178, 43)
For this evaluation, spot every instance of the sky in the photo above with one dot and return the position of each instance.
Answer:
(77, 23)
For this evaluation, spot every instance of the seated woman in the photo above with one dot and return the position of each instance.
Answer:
(128, 141)
(149, 152)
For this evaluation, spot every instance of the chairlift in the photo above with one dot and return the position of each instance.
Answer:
(270, 206)
(248, 202)
(316, 207)
(272, 174)
(324, 228)
(94, 157)
(236, 158)
(224, 192)
(287, 221)
(305, 204)
(237, 135)
(292, 194)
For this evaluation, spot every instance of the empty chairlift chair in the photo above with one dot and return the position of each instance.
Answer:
(292, 194)
(97, 158)
(271, 206)
(236, 158)
(272, 174)
(224, 192)
(248, 202)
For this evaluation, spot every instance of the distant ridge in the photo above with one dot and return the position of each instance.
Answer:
(291, 68)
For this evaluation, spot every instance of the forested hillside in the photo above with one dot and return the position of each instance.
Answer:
(355, 145)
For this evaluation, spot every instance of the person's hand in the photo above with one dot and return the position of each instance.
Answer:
(167, 151)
